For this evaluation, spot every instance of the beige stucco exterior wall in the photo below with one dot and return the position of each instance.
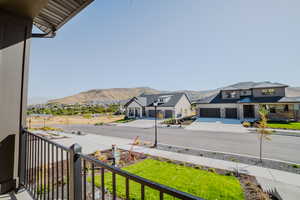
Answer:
(183, 107)
(14, 55)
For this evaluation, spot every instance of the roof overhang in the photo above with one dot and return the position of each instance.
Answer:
(47, 15)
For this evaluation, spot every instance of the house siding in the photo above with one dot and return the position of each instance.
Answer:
(238, 94)
(279, 92)
(133, 104)
(14, 66)
(183, 107)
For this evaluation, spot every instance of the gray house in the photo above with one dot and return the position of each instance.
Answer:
(170, 105)
(242, 101)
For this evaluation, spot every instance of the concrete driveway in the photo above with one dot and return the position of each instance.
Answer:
(217, 124)
(141, 123)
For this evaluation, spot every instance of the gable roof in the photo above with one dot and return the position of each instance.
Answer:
(142, 101)
(217, 98)
(149, 99)
(174, 98)
(253, 85)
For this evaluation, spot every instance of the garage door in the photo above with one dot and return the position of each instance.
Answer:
(168, 113)
(210, 112)
(231, 113)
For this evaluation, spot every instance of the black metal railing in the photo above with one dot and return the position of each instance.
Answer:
(51, 171)
(45, 167)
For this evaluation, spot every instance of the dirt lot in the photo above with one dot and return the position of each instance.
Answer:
(66, 120)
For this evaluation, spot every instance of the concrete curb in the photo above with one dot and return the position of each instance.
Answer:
(290, 133)
(242, 155)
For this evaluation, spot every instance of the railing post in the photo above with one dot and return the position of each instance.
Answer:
(23, 154)
(75, 173)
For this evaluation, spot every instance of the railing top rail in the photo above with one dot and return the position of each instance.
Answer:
(49, 141)
(160, 187)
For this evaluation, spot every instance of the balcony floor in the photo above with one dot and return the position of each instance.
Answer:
(21, 195)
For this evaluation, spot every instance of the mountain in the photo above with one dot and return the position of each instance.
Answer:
(121, 95)
(105, 96)
(195, 95)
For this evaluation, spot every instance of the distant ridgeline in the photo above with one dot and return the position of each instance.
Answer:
(76, 109)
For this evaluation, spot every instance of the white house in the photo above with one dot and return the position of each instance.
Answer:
(170, 105)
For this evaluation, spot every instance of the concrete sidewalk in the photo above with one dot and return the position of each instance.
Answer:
(141, 123)
(268, 178)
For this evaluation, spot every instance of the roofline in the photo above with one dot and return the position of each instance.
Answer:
(287, 102)
(283, 86)
(187, 98)
(73, 14)
(131, 100)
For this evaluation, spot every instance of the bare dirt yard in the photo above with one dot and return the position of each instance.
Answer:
(67, 120)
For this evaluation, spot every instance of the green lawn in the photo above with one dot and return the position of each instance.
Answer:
(291, 125)
(207, 185)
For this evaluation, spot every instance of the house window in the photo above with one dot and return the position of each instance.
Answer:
(286, 108)
(231, 95)
(268, 91)
(163, 99)
(272, 109)
(245, 92)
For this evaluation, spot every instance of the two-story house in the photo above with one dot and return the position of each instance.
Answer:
(242, 101)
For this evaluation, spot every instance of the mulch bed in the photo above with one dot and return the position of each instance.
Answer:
(251, 188)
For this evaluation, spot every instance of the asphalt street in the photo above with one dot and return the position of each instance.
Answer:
(285, 148)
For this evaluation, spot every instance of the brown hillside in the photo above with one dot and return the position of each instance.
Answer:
(104, 95)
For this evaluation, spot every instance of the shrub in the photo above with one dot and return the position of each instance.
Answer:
(246, 124)
(212, 170)
(87, 116)
(99, 124)
(229, 174)
(295, 166)
(169, 121)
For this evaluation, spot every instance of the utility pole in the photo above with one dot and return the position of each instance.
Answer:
(155, 110)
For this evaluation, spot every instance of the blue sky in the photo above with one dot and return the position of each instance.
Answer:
(169, 45)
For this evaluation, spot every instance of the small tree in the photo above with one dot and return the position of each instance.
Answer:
(262, 129)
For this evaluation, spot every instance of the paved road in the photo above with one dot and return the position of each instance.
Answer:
(284, 148)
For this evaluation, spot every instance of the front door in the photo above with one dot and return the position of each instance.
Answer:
(249, 111)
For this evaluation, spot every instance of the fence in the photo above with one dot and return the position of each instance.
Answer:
(51, 171)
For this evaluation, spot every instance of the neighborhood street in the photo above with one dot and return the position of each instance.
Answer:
(285, 148)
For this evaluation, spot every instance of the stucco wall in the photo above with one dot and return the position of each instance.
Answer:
(183, 107)
(14, 57)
